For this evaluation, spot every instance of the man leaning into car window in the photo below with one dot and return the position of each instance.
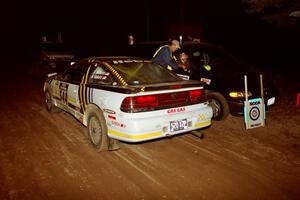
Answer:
(164, 55)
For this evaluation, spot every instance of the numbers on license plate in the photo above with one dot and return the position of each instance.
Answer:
(178, 125)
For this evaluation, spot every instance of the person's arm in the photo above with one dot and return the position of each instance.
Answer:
(168, 59)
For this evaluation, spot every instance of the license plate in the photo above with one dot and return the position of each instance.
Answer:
(178, 125)
(271, 101)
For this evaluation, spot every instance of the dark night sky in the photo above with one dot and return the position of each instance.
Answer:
(91, 24)
(113, 19)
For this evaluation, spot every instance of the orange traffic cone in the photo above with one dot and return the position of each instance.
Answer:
(298, 100)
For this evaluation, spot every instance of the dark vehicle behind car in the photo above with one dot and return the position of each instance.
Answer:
(49, 57)
(222, 73)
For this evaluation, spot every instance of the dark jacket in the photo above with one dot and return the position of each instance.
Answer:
(163, 57)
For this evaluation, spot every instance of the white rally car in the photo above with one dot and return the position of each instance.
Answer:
(127, 99)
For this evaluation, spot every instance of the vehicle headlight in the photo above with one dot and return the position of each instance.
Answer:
(239, 94)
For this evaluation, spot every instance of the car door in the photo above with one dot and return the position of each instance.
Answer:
(69, 88)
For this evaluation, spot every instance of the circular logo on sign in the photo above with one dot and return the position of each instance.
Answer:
(254, 113)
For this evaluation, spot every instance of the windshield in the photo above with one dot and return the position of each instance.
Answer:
(145, 73)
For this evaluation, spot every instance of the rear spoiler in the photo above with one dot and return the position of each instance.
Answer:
(133, 89)
(168, 86)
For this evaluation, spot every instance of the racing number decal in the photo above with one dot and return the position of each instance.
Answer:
(63, 92)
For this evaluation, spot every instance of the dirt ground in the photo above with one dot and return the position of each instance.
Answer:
(48, 156)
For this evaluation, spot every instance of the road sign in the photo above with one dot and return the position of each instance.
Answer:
(254, 113)
(254, 109)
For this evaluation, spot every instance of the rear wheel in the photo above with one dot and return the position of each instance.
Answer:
(97, 131)
(51, 108)
(219, 106)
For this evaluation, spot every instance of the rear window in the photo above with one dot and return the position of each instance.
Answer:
(144, 73)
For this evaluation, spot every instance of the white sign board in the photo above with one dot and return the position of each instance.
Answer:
(254, 113)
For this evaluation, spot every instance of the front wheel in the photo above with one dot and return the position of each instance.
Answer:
(51, 108)
(219, 106)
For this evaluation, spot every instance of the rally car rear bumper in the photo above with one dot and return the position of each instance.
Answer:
(138, 129)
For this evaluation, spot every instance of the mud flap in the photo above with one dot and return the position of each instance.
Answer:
(113, 144)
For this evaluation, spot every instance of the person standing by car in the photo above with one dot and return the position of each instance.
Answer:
(183, 64)
(164, 55)
(185, 70)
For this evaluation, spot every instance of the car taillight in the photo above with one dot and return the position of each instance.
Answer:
(195, 95)
(139, 103)
(161, 101)
(146, 101)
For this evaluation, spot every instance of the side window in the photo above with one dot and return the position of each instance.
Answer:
(206, 57)
(100, 76)
(218, 61)
(73, 74)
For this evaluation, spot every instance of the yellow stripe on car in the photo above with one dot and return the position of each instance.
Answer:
(137, 137)
(119, 77)
(72, 100)
(201, 124)
(80, 93)
(84, 87)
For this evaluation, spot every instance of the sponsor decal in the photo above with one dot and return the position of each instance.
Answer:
(206, 81)
(127, 61)
(254, 103)
(201, 117)
(101, 76)
(109, 111)
(176, 110)
(63, 88)
(183, 77)
(111, 117)
(116, 123)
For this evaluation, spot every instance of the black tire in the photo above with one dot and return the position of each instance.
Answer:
(51, 108)
(219, 105)
(97, 131)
